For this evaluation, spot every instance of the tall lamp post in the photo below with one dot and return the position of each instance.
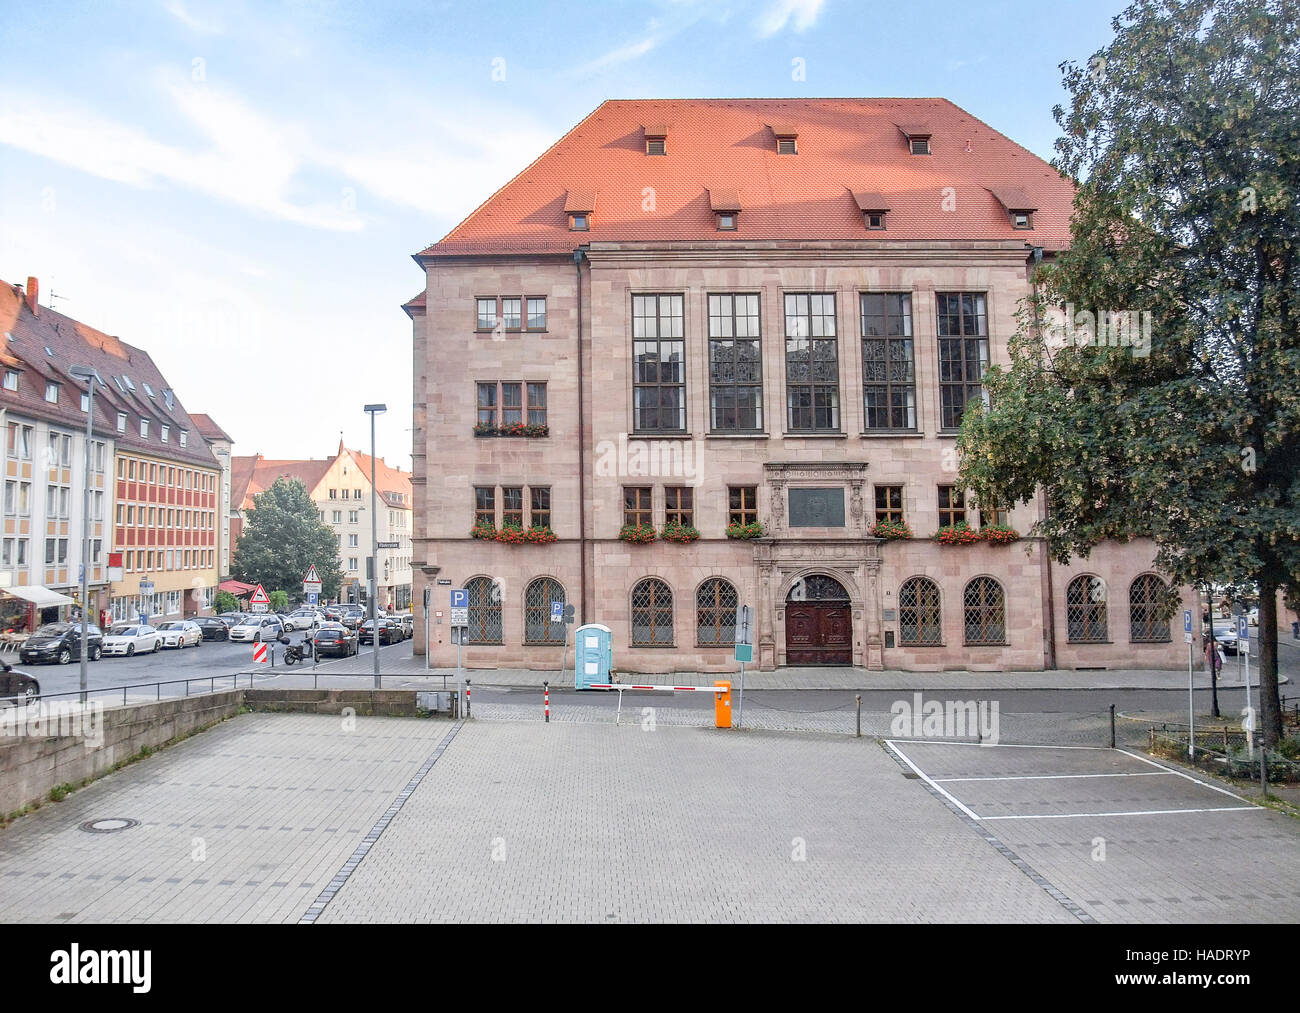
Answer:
(372, 410)
(90, 377)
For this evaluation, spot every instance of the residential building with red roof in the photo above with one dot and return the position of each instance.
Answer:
(154, 481)
(749, 327)
(340, 488)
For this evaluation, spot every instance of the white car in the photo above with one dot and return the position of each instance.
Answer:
(303, 619)
(131, 639)
(181, 633)
(258, 629)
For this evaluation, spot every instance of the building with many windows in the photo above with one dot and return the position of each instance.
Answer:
(340, 488)
(153, 479)
(706, 353)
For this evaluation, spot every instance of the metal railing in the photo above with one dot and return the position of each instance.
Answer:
(212, 681)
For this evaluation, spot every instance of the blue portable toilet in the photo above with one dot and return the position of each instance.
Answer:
(593, 655)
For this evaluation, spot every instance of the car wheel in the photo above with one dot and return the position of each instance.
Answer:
(65, 656)
(96, 653)
(31, 694)
(130, 650)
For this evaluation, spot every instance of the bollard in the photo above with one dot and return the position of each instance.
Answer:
(1112, 726)
(1225, 740)
(467, 682)
(1263, 768)
(546, 697)
(858, 733)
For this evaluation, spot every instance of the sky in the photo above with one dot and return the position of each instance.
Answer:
(239, 187)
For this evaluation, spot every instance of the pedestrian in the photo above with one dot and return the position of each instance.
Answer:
(1213, 656)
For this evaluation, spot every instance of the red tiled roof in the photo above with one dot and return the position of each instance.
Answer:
(208, 429)
(27, 335)
(257, 474)
(388, 480)
(416, 304)
(845, 145)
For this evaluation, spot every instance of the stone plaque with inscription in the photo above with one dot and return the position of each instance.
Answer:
(817, 508)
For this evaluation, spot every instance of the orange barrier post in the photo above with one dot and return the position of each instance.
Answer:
(722, 705)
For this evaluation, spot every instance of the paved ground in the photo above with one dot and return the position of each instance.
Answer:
(283, 818)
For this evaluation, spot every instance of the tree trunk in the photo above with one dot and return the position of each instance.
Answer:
(1270, 707)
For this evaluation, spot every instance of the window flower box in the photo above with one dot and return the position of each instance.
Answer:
(638, 534)
(999, 534)
(891, 530)
(526, 430)
(960, 533)
(680, 533)
(513, 534)
(754, 529)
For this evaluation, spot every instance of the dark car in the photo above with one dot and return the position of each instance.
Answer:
(353, 616)
(213, 627)
(232, 619)
(17, 687)
(390, 632)
(335, 638)
(61, 642)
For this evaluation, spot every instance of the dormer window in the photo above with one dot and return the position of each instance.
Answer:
(578, 205)
(874, 207)
(726, 208)
(786, 138)
(144, 429)
(919, 145)
(52, 393)
(11, 379)
(918, 137)
(121, 422)
(786, 146)
(656, 139)
(1020, 207)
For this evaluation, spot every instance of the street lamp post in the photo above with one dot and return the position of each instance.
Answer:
(91, 377)
(372, 410)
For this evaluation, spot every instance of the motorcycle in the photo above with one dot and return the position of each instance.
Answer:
(294, 653)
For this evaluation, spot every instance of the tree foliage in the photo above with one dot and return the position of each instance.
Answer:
(226, 602)
(283, 536)
(1184, 137)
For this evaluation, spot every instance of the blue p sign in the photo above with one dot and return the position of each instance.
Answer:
(557, 611)
(1187, 620)
(459, 598)
(1243, 628)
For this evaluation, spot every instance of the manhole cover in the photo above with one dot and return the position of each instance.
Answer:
(109, 826)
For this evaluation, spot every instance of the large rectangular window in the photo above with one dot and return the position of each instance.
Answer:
(512, 407)
(812, 370)
(952, 505)
(889, 503)
(888, 367)
(679, 505)
(540, 509)
(963, 353)
(735, 364)
(742, 504)
(512, 506)
(658, 364)
(485, 504)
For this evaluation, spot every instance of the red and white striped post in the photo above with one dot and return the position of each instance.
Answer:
(467, 682)
(546, 697)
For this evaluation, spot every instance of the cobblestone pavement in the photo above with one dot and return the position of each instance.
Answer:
(582, 820)
(244, 822)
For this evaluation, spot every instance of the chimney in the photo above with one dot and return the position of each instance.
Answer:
(33, 295)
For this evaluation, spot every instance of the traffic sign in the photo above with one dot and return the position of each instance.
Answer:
(459, 607)
(1187, 625)
(568, 615)
(312, 576)
(260, 600)
(745, 652)
(146, 587)
(259, 654)
(557, 611)
(311, 598)
(1243, 634)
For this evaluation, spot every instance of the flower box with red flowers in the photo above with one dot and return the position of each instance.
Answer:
(754, 529)
(999, 534)
(957, 534)
(638, 534)
(527, 430)
(680, 533)
(891, 530)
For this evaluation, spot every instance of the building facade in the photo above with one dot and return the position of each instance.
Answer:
(760, 353)
(222, 447)
(340, 488)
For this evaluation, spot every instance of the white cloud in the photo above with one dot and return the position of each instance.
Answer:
(779, 13)
(620, 55)
(182, 14)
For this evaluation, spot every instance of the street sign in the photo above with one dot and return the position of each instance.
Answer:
(459, 607)
(388, 545)
(568, 615)
(745, 652)
(743, 621)
(1243, 634)
(260, 600)
(311, 598)
(146, 587)
(557, 611)
(312, 576)
(1187, 625)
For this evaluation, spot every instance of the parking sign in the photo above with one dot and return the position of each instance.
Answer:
(557, 611)
(459, 606)
(1187, 625)
(1243, 635)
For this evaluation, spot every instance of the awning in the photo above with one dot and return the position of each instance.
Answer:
(41, 597)
(236, 587)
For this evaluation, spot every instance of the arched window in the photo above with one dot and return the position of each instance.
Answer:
(920, 620)
(538, 628)
(715, 613)
(652, 614)
(985, 612)
(1085, 610)
(817, 587)
(484, 611)
(1145, 596)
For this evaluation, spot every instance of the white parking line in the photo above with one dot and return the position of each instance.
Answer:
(1133, 812)
(1054, 777)
(928, 780)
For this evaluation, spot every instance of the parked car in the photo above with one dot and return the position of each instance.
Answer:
(353, 616)
(61, 642)
(335, 638)
(303, 619)
(232, 619)
(131, 639)
(1225, 634)
(258, 629)
(213, 628)
(181, 633)
(389, 632)
(17, 687)
(407, 622)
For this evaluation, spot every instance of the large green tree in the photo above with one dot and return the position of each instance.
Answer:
(283, 535)
(1184, 138)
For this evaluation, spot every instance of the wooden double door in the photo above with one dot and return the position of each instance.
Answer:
(818, 633)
